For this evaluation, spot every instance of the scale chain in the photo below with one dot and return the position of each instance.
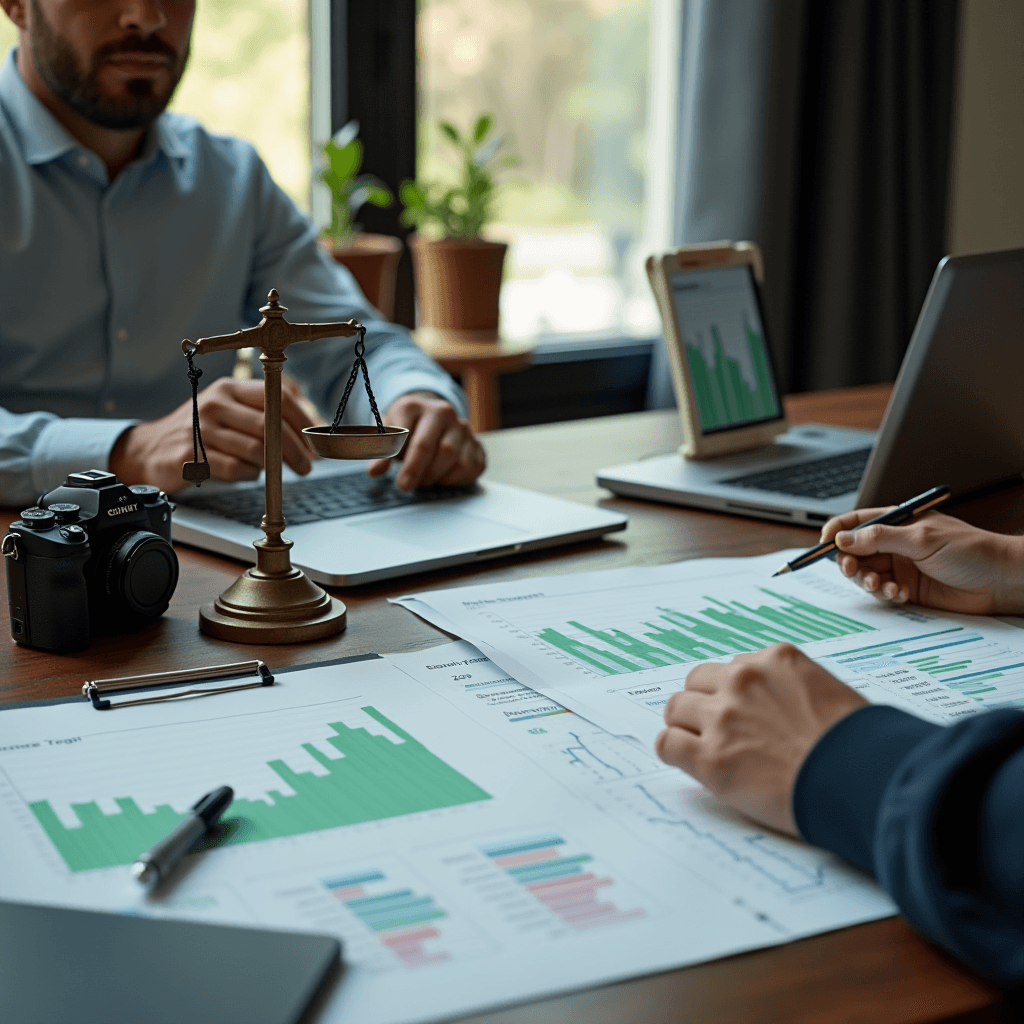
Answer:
(194, 470)
(359, 364)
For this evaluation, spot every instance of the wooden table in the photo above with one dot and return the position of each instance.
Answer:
(879, 973)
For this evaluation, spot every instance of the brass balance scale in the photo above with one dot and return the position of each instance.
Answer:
(273, 602)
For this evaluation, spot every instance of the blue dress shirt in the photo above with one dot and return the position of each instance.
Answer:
(100, 281)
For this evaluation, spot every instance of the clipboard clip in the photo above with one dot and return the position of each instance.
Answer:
(98, 688)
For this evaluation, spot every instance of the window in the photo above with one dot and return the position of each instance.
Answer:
(567, 83)
(248, 75)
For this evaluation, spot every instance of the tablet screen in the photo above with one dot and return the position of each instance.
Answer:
(720, 322)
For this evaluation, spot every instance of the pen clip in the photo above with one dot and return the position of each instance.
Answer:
(96, 689)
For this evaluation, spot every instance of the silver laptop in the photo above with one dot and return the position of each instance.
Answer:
(350, 529)
(956, 416)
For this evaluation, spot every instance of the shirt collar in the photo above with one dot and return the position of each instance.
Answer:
(44, 138)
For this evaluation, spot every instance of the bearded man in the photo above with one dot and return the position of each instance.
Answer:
(123, 229)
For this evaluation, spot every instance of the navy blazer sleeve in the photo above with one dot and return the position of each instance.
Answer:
(937, 815)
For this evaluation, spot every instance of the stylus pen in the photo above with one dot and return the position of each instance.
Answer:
(157, 865)
(894, 517)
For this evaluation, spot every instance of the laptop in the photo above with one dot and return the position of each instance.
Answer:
(349, 529)
(956, 415)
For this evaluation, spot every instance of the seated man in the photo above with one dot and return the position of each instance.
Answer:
(123, 230)
(934, 813)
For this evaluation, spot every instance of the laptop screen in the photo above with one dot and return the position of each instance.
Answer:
(720, 322)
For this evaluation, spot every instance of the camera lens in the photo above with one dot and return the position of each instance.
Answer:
(142, 572)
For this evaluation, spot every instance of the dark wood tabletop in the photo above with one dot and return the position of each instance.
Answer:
(880, 972)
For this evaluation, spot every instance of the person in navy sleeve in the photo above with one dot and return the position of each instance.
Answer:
(935, 813)
(125, 228)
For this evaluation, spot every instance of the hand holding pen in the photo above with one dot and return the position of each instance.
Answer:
(854, 521)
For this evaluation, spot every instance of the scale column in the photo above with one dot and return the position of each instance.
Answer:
(272, 556)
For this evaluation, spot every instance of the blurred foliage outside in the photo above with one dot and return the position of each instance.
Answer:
(566, 81)
(248, 75)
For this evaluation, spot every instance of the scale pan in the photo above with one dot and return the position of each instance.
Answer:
(356, 442)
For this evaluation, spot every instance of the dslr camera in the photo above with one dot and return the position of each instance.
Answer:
(93, 556)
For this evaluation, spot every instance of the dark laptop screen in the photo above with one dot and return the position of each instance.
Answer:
(720, 323)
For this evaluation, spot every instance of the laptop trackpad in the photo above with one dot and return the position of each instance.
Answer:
(434, 528)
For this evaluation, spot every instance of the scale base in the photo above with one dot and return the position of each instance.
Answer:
(273, 608)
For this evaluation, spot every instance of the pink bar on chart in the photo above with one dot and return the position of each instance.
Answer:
(595, 922)
(510, 860)
(349, 892)
(557, 883)
(404, 938)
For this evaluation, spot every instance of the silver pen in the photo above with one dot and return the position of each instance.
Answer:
(157, 865)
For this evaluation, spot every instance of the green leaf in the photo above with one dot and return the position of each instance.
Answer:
(482, 127)
(412, 195)
(345, 163)
(451, 131)
(380, 196)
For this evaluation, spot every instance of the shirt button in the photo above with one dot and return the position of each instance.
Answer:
(110, 405)
(122, 335)
(83, 161)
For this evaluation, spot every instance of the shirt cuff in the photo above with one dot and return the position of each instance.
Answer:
(439, 384)
(839, 787)
(70, 445)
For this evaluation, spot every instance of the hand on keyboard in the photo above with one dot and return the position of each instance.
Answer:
(441, 448)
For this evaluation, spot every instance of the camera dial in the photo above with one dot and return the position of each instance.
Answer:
(65, 511)
(38, 518)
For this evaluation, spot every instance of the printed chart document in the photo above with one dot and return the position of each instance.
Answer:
(470, 843)
(615, 645)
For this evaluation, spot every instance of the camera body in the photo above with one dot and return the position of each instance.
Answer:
(93, 556)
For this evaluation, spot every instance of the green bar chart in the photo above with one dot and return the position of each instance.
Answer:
(369, 777)
(731, 381)
(715, 629)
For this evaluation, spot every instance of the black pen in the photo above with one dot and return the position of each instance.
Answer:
(894, 517)
(156, 866)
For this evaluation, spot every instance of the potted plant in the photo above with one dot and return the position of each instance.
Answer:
(458, 273)
(372, 259)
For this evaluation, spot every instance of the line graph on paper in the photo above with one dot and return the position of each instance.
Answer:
(724, 846)
(593, 755)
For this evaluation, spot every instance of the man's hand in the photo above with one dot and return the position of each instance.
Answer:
(934, 560)
(744, 729)
(231, 416)
(441, 448)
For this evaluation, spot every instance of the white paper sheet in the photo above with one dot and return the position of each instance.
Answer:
(615, 645)
(467, 854)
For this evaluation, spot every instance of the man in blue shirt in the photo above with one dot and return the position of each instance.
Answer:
(934, 813)
(123, 230)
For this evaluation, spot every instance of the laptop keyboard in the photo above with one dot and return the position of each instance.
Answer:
(822, 478)
(308, 501)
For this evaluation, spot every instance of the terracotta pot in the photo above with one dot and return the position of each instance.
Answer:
(373, 261)
(458, 281)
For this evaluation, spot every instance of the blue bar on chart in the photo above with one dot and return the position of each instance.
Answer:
(955, 659)
(404, 921)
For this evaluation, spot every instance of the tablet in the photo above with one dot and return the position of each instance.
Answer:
(79, 966)
(715, 336)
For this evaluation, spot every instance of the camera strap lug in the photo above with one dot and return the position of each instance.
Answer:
(9, 547)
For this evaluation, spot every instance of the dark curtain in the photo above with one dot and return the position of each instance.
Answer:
(822, 130)
(859, 117)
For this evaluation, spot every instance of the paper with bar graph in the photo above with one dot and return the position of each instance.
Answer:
(615, 645)
(460, 869)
